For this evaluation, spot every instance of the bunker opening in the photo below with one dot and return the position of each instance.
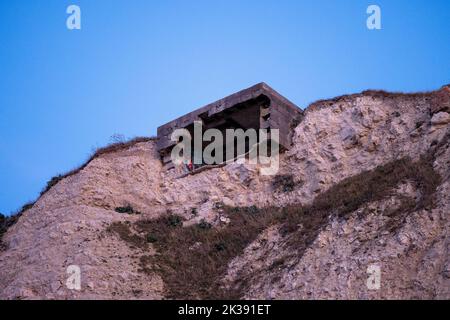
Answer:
(239, 119)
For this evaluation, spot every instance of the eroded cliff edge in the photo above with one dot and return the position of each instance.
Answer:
(338, 184)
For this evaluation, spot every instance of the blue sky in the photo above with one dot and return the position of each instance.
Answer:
(137, 64)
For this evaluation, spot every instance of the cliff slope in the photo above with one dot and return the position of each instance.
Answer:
(366, 183)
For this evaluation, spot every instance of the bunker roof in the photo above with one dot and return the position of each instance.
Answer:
(233, 100)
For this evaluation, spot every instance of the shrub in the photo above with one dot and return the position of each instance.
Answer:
(5, 224)
(174, 221)
(204, 224)
(151, 238)
(127, 209)
(283, 182)
(251, 209)
(277, 263)
(52, 182)
(220, 246)
(2, 224)
(26, 207)
(233, 209)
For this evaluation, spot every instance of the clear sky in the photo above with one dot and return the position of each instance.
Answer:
(135, 65)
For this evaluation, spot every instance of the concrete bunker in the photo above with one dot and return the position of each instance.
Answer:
(257, 107)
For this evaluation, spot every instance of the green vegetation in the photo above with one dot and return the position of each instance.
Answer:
(127, 209)
(173, 221)
(151, 238)
(5, 223)
(204, 225)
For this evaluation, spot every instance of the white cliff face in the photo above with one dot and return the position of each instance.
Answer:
(358, 134)
(413, 260)
(336, 139)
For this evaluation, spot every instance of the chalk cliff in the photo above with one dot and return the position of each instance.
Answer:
(366, 183)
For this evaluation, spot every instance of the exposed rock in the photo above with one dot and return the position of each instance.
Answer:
(337, 139)
(440, 118)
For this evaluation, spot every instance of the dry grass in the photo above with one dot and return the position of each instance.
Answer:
(192, 260)
(125, 233)
(111, 148)
(437, 97)
(5, 224)
(284, 183)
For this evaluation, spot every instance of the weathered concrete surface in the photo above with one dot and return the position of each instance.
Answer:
(283, 114)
